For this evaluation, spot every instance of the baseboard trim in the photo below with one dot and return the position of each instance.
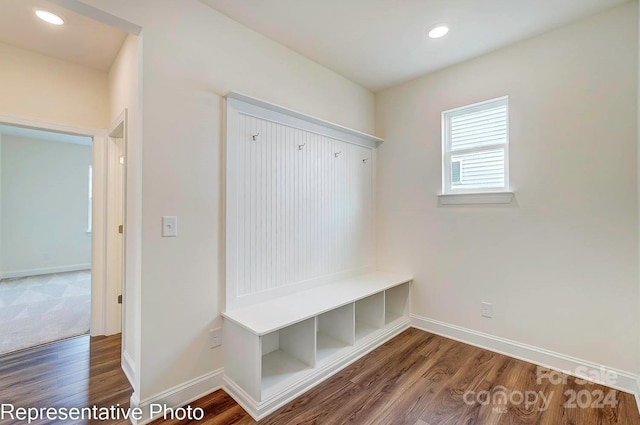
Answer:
(47, 270)
(180, 395)
(626, 381)
(128, 367)
(192, 390)
(637, 394)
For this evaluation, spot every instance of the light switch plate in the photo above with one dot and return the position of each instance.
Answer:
(169, 226)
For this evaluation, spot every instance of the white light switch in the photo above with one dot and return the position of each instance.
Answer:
(169, 226)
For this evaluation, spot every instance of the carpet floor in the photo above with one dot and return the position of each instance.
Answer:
(39, 309)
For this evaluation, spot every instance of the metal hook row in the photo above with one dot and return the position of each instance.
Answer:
(254, 137)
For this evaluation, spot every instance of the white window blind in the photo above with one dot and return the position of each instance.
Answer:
(475, 147)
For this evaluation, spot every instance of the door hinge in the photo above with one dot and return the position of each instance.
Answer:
(119, 299)
(120, 229)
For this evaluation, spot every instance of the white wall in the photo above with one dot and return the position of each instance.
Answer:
(560, 265)
(123, 94)
(44, 205)
(191, 56)
(38, 86)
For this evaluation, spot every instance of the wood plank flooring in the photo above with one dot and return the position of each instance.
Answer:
(75, 372)
(421, 379)
(415, 379)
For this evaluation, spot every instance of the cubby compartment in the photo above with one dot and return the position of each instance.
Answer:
(287, 354)
(334, 333)
(396, 303)
(280, 348)
(369, 315)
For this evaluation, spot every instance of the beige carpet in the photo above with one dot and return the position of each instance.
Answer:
(40, 309)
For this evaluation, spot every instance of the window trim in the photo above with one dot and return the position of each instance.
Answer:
(90, 207)
(476, 198)
(447, 190)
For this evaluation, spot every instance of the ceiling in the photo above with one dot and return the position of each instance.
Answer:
(30, 133)
(380, 43)
(80, 40)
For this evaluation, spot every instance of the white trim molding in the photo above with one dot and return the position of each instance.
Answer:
(637, 393)
(47, 270)
(99, 15)
(476, 198)
(180, 395)
(128, 367)
(583, 369)
(302, 121)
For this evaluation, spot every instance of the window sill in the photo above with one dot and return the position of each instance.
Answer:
(476, 198)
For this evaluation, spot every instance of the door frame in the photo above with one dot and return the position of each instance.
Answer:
(100, 311)
(116, 214)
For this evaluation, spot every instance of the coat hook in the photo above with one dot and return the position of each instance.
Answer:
(337, 154)
(254, 137)
(364, 161)
(301, 146)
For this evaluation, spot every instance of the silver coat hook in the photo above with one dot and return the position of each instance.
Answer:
(337, 154)
(364, 161)
(254, 137)
(301, 146)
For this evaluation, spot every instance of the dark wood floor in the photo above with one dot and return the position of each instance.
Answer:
(415, 379)
(419, 378)
(75, 372)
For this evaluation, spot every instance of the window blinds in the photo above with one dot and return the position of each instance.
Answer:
(475, 143)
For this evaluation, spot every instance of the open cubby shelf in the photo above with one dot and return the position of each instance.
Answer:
(328, 347)
(396, 303)
(281, 348)
(278, 367)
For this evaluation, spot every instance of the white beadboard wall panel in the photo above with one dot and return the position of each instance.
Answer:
(300, 206)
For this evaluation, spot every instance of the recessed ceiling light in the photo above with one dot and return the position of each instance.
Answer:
(49, 17)
(438, 31)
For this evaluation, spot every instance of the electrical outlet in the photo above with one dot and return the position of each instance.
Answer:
(215, 338)
(486, 310)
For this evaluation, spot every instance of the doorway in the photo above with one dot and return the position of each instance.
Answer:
(103, 181)
(45, 236)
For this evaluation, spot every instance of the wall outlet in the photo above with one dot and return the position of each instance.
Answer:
(215, 338)
(486, 310)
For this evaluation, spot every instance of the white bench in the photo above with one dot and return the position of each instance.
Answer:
(278, 349)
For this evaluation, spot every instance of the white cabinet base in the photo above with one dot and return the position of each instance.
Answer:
(277, 350)
(313, 376)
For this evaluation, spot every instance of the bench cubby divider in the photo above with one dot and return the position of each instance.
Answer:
(277, 350)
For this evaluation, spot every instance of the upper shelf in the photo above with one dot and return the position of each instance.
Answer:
(341, 132)
(270, 316)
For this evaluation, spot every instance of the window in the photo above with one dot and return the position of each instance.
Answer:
(90, 209)
(475, 148)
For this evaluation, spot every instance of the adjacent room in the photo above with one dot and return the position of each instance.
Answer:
(364, 211)
(45, 237)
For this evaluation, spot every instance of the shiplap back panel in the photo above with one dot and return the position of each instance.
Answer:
(300, 208)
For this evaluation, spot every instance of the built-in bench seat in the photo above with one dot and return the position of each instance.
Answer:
(280, 348)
